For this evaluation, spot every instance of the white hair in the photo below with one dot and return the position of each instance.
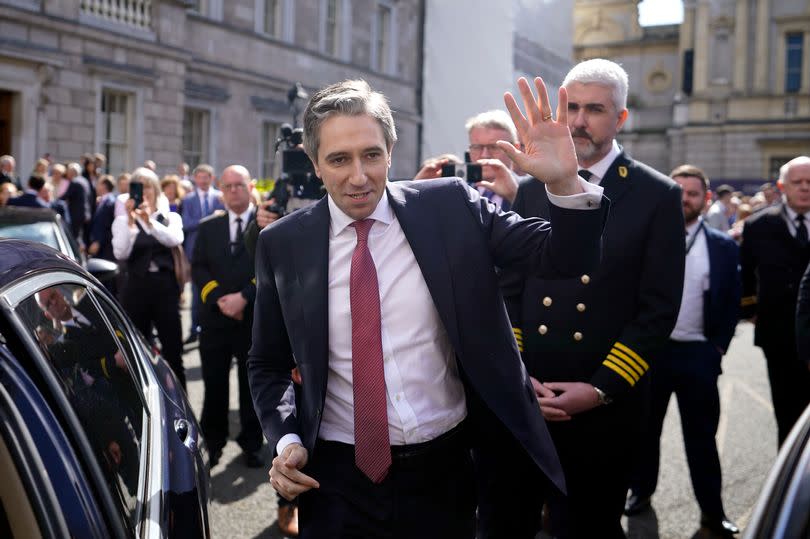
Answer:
(493, 119)
(75, 168)
(784, 170)
(605, 72)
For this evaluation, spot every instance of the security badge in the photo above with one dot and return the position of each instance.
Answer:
(623, 171)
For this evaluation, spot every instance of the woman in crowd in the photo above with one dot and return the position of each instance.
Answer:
(170, 184)
(41, 168)
(144, 237)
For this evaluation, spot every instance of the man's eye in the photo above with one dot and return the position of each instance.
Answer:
(373, 155)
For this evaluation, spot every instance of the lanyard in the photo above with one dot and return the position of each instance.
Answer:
(694, 237)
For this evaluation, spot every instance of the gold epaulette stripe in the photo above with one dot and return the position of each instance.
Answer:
(632, 354)
(748, 300)
(620, 372)
(253, 280)
(207, 290)
(625, 368)
(620, 357)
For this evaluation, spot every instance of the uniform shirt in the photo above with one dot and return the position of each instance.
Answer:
(689, 326)
(792, 220)
(425, 395)
(233, 224)
(601, 167)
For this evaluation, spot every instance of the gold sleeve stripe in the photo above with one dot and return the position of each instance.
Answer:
(625, 368)
(517, 331)
(520, 346)
(253, 280)
(620, 372)
(207, 290)
(632, 354)
(748, 300)
(621, 357)
(104, 366)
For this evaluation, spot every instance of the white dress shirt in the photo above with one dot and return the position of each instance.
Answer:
(689, 326)
(792, 224)
(233, 224)
(425, 395)
(123, 237)
(601, 167)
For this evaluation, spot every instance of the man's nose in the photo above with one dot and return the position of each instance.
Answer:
(577, 119)
(358, 173)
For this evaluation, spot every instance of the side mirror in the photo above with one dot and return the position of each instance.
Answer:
(103, 270)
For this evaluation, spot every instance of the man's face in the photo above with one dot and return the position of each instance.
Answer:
(55, 305)
(353, 163)
(593, 120)
(235, 191)
(693, 197)
(482, 144)
(8, 166)
(797, 187)
(203, 180)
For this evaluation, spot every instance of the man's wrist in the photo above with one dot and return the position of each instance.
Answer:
(286, 440)
(601, 397)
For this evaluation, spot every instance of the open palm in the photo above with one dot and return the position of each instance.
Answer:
(548, 150)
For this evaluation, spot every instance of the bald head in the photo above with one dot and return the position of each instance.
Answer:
(236, 188)
(794, 179)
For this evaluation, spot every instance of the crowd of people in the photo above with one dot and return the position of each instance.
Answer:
(608, 318)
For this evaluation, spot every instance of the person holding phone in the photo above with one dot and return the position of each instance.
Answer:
(144, 237)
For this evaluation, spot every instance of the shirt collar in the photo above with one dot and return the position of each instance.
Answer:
(792, 214)
(244, 215)
(600, 169)
(338, 220)
(690, 229)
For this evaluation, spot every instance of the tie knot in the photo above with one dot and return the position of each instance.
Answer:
(362, 227)
(585, 173)
(800, 217)
(239, 220)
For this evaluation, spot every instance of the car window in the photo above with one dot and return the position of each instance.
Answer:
(42, 232)
(96, 377)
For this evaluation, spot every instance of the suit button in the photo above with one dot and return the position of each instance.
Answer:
(581, 307)
(542, 330)
(577, 336)
(547, 301)
(585, 279)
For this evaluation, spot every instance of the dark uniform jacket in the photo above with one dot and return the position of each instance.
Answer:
(602, 327)
(803, 318)
(772, 266)
(218, 269)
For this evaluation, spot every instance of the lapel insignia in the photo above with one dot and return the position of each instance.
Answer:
(623, 171)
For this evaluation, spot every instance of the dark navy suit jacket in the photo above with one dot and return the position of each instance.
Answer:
(722, 300)
(28, 200)
(101, 228)
(192, 213)
(458, 239)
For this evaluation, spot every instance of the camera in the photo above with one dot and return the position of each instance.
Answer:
(296, 167)
(469, 172)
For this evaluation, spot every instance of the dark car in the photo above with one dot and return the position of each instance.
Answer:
(46, 226)
(783, 509)
(97, 438)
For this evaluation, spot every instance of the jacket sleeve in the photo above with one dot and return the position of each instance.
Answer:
(201, 275)
(659, 299)
(803, 319)
(511, 282)
(270, 360)
(748, 264)
(731, 302)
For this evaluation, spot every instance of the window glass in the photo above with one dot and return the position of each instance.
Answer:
(272, 17)
(383, 37)
(332, 34)
(115, 130)
(195, 137)
(269, 136)
(98, 380)
(793, 62)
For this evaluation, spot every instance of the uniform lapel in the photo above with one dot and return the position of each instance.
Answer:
(618, 178)
(423, 230)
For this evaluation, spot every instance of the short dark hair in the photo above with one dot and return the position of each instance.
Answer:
(684, 171)
(36, 183)
(107, 181)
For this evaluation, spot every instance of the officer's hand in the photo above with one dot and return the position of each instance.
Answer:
(571, 397)
(264, 217)
(499, 179)
(285, 474)
(544, 395)
(232, 305)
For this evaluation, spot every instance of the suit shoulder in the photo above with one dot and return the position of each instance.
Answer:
(720, 237)
(430, 186)
(764, 218)
(216, 217)
(651, 179)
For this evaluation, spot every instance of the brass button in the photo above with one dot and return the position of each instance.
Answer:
(547, 301)
(585, 279)
(542, 330)
(577, 336)
(581, 307)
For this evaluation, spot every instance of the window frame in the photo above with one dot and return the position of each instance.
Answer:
(340, 41)
(795, 70)
(205, 152)
(387, 61)
(105, 141)
(266, 147)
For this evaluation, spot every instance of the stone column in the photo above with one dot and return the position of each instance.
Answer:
(762, 62)
(741, 46)
(702, 49)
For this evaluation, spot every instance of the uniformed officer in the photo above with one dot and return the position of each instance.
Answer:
(588, 342)
(224, 272)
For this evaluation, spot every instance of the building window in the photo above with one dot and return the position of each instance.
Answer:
(195, 136)
(382, 42)
(269, 136)
(115, 130)
(794, 56)
(332, 28)
(271, 24)
(688, 71)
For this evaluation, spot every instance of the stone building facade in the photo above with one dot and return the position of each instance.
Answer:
(195, 81)
(727, 90)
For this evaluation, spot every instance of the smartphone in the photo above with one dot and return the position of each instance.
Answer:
(136, 193)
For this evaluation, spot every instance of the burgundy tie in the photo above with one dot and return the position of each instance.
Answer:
(372, 449)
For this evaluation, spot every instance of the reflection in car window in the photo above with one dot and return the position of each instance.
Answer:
(96, 379)
(42, 232)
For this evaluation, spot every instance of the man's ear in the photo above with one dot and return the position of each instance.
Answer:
(389, 155)
(622, 118)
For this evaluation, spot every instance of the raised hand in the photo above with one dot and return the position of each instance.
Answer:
(548, 153)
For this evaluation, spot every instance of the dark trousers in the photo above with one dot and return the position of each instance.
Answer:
(196, 305)
(690, 371)
(153, 300)
(218, 348)
(429, 493)
(790, 384)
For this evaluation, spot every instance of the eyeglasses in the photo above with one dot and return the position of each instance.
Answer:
(479, 148)
(233, 186)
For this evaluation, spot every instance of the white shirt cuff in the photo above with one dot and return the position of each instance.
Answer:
(286, 440)
(591, 199)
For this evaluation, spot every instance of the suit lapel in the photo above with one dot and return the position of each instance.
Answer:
(310, 255)
(423, 231)
(618, 179)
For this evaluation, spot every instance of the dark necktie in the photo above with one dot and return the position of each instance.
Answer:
(372, 448)
(585, 173)
(240, 236)
(206, 209)
(801, 231)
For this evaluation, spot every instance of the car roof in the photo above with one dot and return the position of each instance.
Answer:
(20, 257)
(24, 215)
